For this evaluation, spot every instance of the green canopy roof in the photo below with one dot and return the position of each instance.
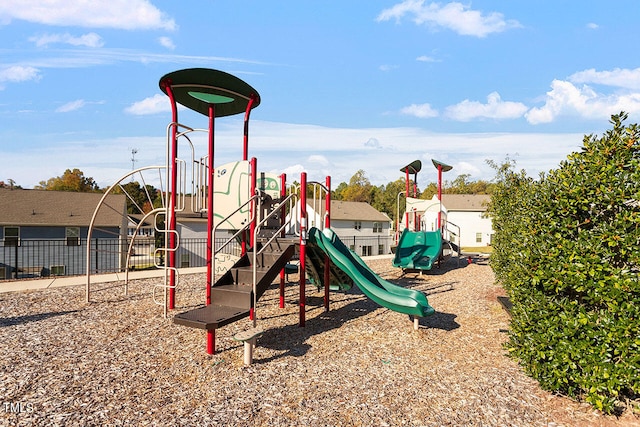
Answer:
(445, 167)
(197, 88)
(413, 167)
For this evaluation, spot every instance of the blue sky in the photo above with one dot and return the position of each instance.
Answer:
(345, 85)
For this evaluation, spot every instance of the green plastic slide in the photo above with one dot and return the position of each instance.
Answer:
(384, 293)
(418, 250)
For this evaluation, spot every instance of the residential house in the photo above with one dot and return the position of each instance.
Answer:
(468, 213)
(358, 224)
(466, 222)
(44, 233)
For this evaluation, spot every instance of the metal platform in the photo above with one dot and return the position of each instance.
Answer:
(210, 317)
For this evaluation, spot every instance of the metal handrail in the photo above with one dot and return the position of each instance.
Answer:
(256, 230)
(93, 220)
(237, 233)
(282, 227)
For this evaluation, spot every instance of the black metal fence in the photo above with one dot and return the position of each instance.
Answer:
(46, 258)
(56, 257)
(369, 246)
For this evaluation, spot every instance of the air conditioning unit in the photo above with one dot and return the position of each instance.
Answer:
(57, 270)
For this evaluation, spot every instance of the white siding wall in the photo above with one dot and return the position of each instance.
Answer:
(364, 236)
(470, 224)
(192, 230)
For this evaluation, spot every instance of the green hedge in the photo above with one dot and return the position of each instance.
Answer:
(567, 251)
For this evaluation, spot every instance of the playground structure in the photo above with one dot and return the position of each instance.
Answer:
(427, 237)
(262, 212)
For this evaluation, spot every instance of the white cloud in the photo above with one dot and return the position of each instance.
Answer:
(18, 73)
(618, 77)
(462, 168)
(122, 14)
(293, 172)
(386, 67)
(88, 40)
(166, 42)
(157, 103)
(592, 26)
(71, 106)
(425, 58)
(423, 111)
(372, 143)
(495, 108)
(318, 159)
(92, 57)
(565, 98)
(454, 16)
(108, 159)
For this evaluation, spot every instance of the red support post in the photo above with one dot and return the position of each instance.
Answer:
(303, 244)
(211, 341)
(327, 224)
(440, 195)
(170, 257)
(283, 218)
(406, 195)
(211, 334)
(247, 113)
(210, 216)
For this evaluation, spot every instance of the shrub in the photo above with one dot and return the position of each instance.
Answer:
(567, 251)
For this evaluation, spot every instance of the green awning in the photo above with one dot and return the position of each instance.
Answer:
(197, 88)
(445, 167)
(413, 167)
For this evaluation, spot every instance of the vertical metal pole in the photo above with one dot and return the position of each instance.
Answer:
(247, 113)
(16, 258)
(210, 204)
(283, 218)
(406, 195)
(327, 224)
(252, 189)
(303, 244)
(211, 341)
(172, 201)
(440, 195)
(245, 156)
(211, 334)
(252, 228)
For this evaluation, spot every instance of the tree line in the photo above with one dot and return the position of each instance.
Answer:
(385, 197)
(359, 189)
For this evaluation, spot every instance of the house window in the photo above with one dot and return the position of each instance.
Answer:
(478, 237)
(357, 225)
(184, 261)
(366, 251)
(12, 236)
(57, 270)
(380, 249)
(72, 234)
(377, 227)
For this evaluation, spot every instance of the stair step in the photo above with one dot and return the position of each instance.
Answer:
(266, 258)
(233, 295)
(244, 275)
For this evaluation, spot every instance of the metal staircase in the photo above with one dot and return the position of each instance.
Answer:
(232, 295)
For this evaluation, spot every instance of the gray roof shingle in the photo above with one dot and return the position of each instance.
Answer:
(357, 211)
(466, 202)
(58, 208)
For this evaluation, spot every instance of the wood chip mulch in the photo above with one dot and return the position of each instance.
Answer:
(117, 362)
